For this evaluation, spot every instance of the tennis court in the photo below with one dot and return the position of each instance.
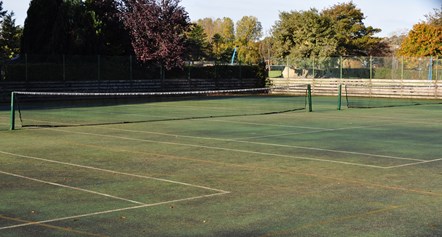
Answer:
(354, 172)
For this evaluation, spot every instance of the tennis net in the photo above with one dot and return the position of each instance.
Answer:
(368, 96)
(54, 109)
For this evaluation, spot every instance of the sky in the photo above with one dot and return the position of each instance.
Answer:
(391, 16)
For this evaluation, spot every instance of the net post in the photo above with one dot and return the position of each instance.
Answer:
(339, 96)
(12, 111)
(309, 97)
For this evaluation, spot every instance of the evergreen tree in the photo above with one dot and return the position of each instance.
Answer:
(9, 37)
(111, 36)
(2, 13)
(58, 27)
(197, 47)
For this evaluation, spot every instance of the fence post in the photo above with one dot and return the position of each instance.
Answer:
(313, 67)
(340, 67)
(371, 67)
(430, 69)
(402, 67)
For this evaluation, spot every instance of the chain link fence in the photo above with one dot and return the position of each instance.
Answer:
(33, 68)
(424, 68)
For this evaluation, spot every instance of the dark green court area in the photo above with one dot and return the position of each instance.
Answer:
(158, 169)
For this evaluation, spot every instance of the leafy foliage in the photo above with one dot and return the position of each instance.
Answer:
(111, 36)
(157, 30)
(336, 31)
(435, 18)
(248, 32)
(9, 37)
(2, 13)
(423, 40)
(304, 34)
(224, 38)
(74, 27)
(197, 47)
(220, 35)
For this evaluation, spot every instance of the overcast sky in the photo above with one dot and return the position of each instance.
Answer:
(389, 15)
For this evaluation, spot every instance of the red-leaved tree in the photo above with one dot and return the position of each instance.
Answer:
(157, 29)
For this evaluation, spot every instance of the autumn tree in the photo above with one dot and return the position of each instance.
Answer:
(220, 35)
(425, 39)
(157, 29)
(247, 34)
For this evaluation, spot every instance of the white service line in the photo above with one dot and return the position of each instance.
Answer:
(112, 211)
(263, 144)
(228, 149)
(416, 163)
(112, 171)
(71, 187)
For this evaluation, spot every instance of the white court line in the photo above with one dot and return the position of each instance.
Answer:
(112, 171)
(112, 211)
(221, 148)
(263, 124)
(71, 187)
(309, 132)
(412, 164)
(267, 144)
(395, 120)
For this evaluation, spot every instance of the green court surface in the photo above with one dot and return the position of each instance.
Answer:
(354, 172)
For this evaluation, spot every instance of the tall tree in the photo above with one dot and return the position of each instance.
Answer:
(248, 32)
(208, 25)
(39, 25)
(226, 28)
(435, 18)
(111, 36)
(74, 31)
(304, 34)
(221, 36)
(2, 13)
(197, 47)
(354, 38)
(157, 29)
(9, 37)
(248, 28)
(425, 39)
(58, 27)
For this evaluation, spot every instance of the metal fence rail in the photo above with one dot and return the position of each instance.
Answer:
(422, 68)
